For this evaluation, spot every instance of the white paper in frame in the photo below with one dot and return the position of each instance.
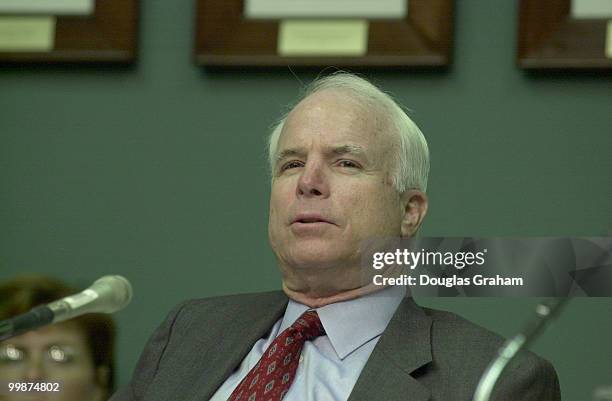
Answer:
(54, 7)
(591, 9)
(368, 9)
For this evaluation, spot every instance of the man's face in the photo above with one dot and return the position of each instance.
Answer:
(331, 188)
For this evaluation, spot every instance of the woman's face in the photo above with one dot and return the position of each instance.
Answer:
(54, 354)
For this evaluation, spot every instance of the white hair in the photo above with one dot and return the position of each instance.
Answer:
(411, 165)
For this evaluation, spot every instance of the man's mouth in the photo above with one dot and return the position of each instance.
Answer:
(310, 218)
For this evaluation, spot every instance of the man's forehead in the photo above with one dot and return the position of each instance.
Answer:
(333, 126)
(356, 139)
(332, 149)
(333, 119)
(329, 136)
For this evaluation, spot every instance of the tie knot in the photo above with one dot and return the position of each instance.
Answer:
(309, 325)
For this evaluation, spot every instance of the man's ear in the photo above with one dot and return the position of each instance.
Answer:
(415, 207)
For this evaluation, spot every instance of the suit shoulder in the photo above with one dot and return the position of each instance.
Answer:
(462, 350)
(452, 329)
(455, 338)
(237, 299)
(229, 305)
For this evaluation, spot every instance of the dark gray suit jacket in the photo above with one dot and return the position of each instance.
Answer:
(423, 355)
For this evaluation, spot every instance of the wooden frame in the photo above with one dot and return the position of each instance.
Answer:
(109, 35)
(549, 38)
(225, 38)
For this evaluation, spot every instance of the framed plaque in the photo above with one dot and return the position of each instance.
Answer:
(68, 31)
(565, 34)
(395, 33)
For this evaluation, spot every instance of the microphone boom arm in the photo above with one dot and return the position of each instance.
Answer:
(544, 312)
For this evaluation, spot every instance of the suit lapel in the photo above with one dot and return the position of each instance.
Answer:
(403, 348)
(244, 331)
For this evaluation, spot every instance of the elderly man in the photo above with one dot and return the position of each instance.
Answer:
(347, 165)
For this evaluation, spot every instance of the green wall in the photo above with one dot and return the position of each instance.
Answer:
(157, 172)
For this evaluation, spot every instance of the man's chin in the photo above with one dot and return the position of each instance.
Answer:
(312, 264)
(316, 258)
(317, 249)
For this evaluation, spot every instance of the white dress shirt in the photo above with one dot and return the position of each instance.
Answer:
(330, 365)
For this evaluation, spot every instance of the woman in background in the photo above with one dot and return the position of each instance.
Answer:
(76, 354)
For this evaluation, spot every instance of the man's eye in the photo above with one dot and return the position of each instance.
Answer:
(348, 163)
(291, 164)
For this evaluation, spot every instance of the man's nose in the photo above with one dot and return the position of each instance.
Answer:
(313, 181)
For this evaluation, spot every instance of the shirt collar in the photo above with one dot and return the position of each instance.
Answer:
(350, 324)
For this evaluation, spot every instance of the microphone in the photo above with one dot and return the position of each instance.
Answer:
(108, 294)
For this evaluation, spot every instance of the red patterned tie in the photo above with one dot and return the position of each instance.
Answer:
(270, 379)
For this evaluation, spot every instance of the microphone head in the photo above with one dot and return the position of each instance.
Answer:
(114, 292)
